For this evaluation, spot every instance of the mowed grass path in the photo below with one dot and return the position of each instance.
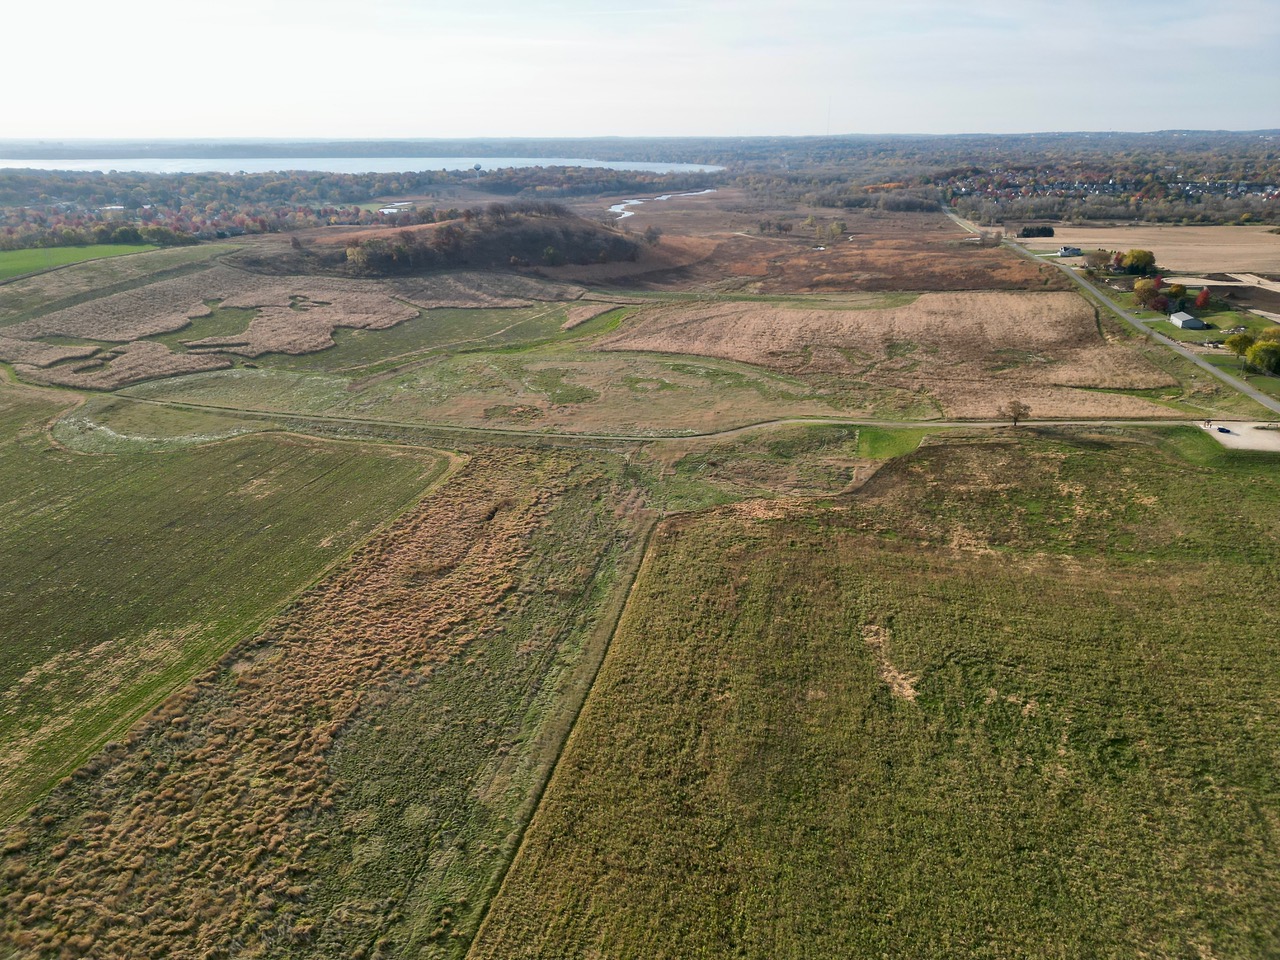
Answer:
(122, 576)
(1013, 701)
(14, 263)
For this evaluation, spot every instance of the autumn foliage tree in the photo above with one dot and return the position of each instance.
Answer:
(1202, 299)
(1138, 261)
(1239, 344)
(1145, 293)
(1264, 356)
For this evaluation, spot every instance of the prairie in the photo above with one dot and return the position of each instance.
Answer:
(311, 577)
(351, 782)
(966, 351)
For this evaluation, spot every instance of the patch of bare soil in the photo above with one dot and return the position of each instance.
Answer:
(967, 350)
(902, 685)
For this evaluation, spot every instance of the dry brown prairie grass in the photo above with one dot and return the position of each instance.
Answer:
(38, 354)
(967, 350)
(168, 305)
(131, 363)
(305, 326)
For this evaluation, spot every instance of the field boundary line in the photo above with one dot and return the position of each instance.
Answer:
(630, 575)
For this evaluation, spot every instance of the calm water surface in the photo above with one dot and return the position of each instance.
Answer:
(343, 164)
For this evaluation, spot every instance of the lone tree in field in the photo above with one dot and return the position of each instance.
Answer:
(1013, 411)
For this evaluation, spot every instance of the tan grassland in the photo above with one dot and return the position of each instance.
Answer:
(38, 354)
(1209, 249)
(131, 363)
(203, 828)
(305, 326)
(967, 350)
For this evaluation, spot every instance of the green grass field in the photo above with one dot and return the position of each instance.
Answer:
(14, 263)
(847, 732)
(122, 576)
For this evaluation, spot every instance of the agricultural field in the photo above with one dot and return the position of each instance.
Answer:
(15, 263)
(837, 728)
(1245, 248)
(124, 576)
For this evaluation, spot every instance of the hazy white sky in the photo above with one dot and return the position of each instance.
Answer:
(552, 68)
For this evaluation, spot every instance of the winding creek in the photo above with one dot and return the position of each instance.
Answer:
(621, 208)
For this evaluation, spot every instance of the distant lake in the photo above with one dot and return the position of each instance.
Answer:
(343, 164)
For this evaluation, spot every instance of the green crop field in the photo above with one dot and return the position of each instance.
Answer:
(121, 576)
(14, 263)
(847, 730)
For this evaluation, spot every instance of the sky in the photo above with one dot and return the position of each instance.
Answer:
(569, 68)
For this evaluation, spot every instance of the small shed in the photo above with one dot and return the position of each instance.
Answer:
(1187, 322)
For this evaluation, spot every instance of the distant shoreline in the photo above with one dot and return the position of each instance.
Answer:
(353, 165)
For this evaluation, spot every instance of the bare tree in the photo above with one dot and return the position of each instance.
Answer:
(1013, 411)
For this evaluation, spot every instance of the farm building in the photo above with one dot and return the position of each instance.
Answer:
(1069, 251)
(1187, 322)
